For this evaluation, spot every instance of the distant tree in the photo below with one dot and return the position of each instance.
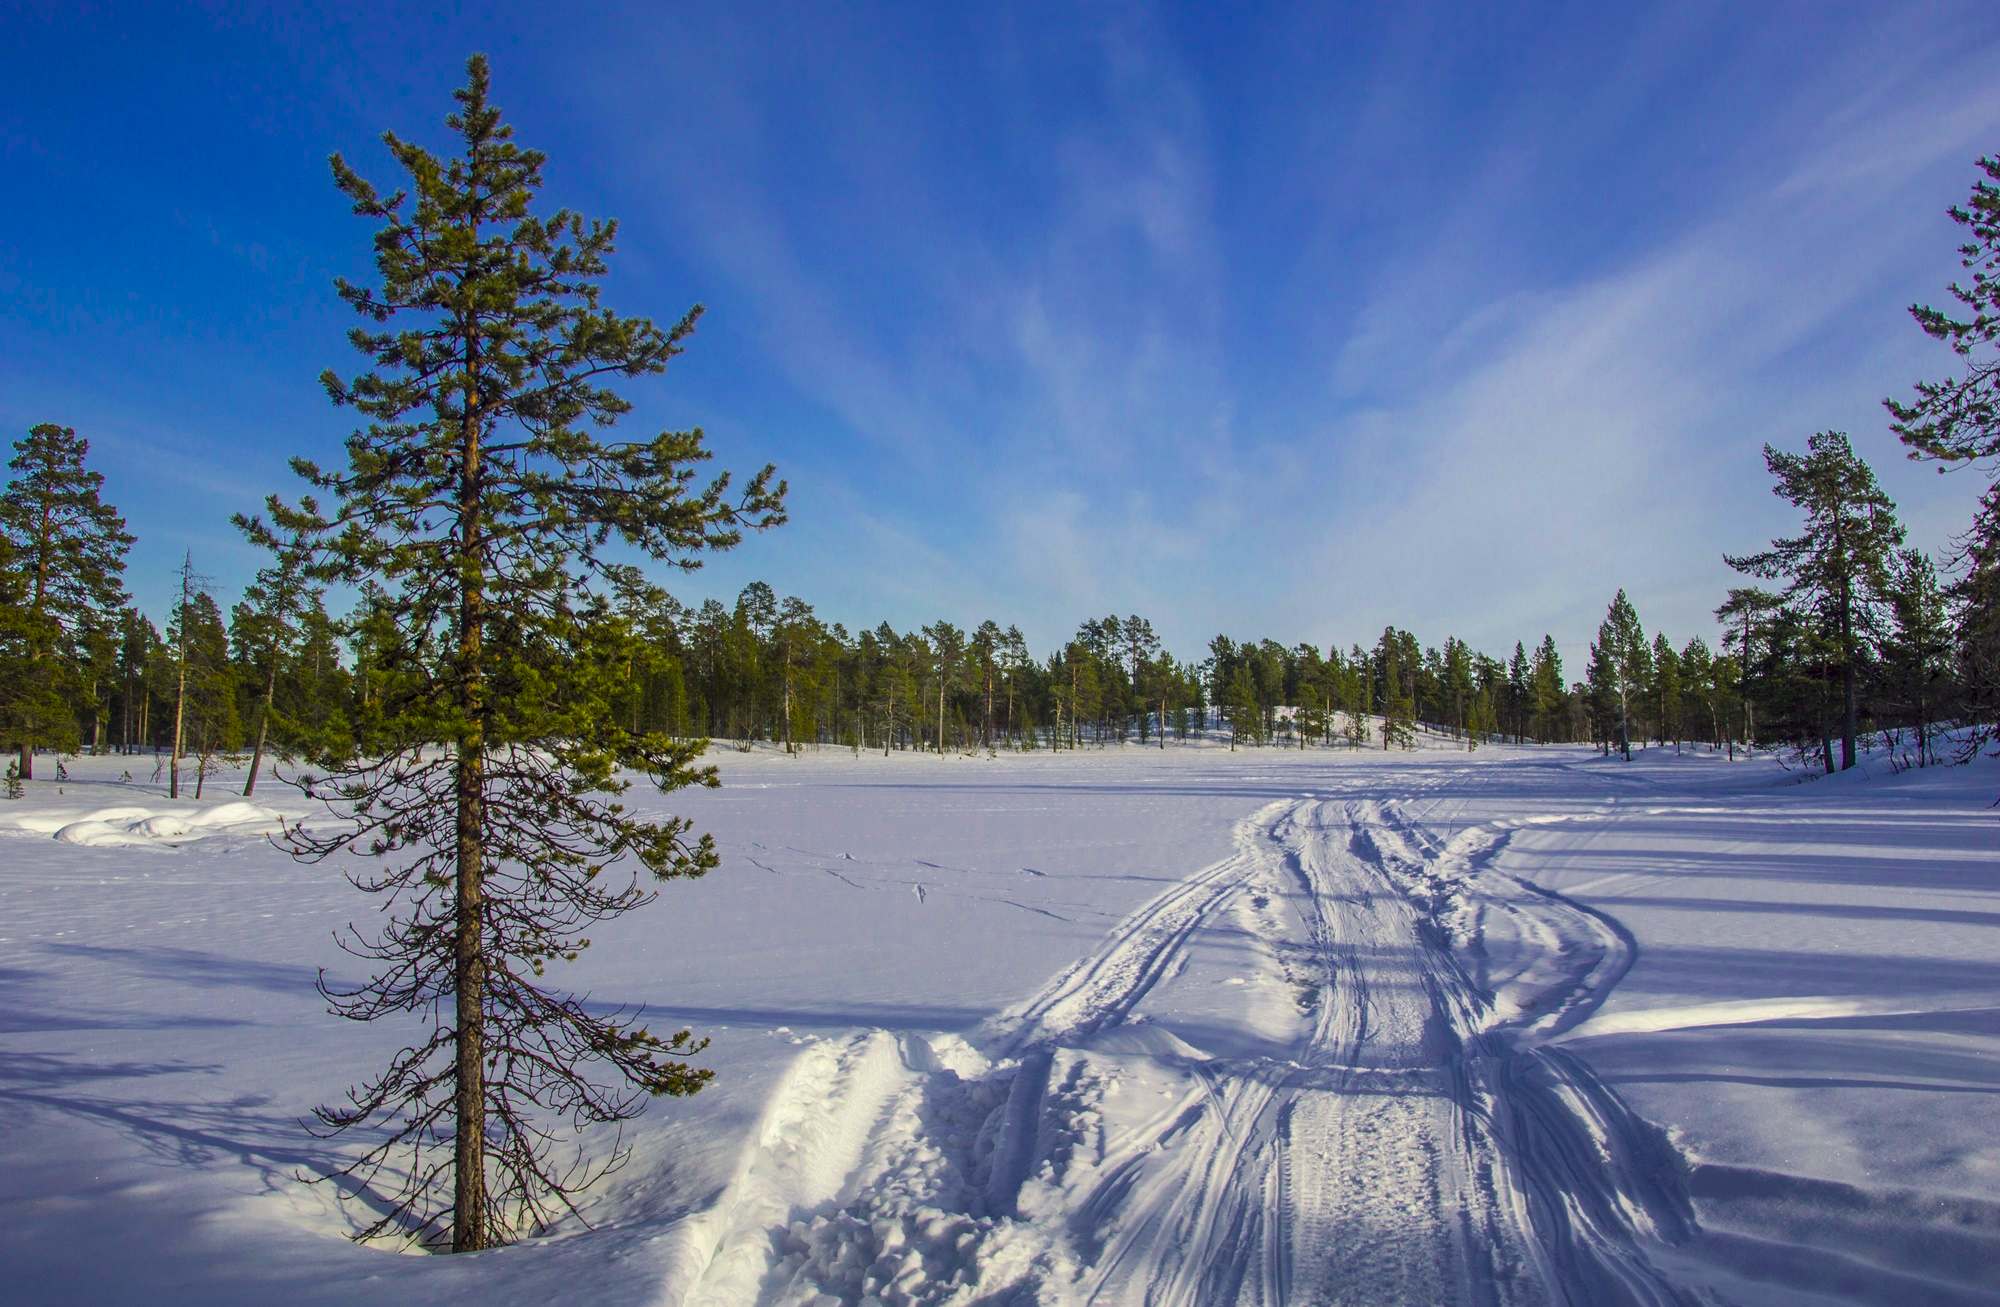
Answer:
(1666, 691)
(1546, 691)
(268, 624)
(1975, 598)
(1621, 664)
(1482, 722)
(1918, 650)
(793, 631)
(986, 655)
(1015, 663)
(481, 503)
(1838, 567)
(947, 669)
(62, 552)
(180, 637)
(206, 710)
(1745, 616)
(1240, 705)
(137, 640)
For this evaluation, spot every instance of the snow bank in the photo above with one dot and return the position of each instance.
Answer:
(130, 826)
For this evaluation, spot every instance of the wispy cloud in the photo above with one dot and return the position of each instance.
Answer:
(1091, 381)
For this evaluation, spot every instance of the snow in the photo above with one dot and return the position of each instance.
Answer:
(132, 826)
(1129, 1025)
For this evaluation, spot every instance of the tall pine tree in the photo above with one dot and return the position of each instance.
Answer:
(481, 499)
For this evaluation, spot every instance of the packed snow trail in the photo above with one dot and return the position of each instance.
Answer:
(1405, 1134)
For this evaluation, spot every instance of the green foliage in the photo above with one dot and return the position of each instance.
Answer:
(1918, 650)
(1620, 666)
(1837, 569)
(62, 554)
(477, 511)
(1958, 421)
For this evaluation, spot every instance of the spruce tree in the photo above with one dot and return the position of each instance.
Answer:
(1838, 568)
(481, 500)
(63, 550)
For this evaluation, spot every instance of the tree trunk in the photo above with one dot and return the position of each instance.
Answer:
(180, 703)
(469, 1230)
(263, 726)
(1850, 717)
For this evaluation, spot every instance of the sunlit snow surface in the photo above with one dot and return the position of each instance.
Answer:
(1123, 1026)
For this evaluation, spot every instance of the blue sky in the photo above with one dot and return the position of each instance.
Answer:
(1285, 320)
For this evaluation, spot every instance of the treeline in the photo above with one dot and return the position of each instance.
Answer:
(1861, 639)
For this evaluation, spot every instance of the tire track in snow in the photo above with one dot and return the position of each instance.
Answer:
(1420, 1142)
(1105, 986)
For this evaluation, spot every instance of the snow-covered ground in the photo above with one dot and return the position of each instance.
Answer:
(1181, 1026)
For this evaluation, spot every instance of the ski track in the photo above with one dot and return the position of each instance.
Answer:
(1421, 1141)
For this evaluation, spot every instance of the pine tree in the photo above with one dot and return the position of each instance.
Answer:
(793, 632)
(1745, 616)
(947, 645)
(1838, 568)
(1241, 705)
(136, 642)
(1975, 597)
(1545, 679)
(1919, 648)
(205, 714)
(1957, 422)
(1481, 721)
(63, 550)
(1666, 691)
(267, 620)
(481, 501)
(1698, 700)
(1621, 664)
(180, 630)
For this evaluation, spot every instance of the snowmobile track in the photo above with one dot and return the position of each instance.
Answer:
(1419, 1143)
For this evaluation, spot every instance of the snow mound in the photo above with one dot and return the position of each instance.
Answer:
(127, 826)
